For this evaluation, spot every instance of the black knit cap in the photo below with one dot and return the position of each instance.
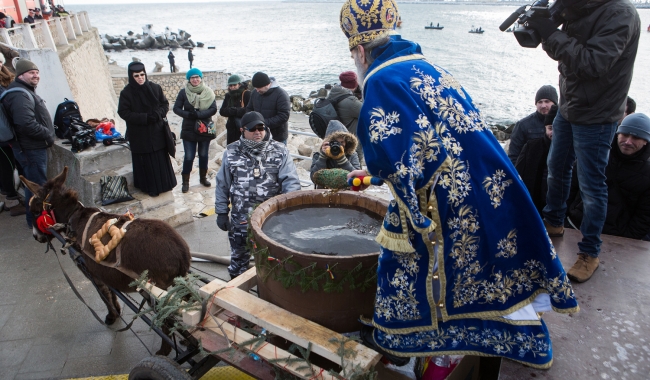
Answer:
(546, 92)
(550, 116)
(260, 80)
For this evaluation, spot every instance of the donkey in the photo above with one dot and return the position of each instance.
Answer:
(148, 244)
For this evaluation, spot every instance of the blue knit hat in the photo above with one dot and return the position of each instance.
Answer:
(637, 125)
(192, 72)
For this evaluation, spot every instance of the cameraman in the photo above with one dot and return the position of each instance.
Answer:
(595, 49)
(327, 158)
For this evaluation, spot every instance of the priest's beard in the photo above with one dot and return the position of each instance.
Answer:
(362, 69)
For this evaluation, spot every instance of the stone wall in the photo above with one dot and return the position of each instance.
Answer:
(173, 83)
(86, 69)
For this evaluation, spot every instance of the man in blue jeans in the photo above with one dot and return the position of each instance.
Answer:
(595, 49)
(32, 125)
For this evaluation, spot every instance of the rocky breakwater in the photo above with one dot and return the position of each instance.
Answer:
(149, 40)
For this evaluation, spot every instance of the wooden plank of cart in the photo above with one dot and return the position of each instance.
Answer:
(226, 300)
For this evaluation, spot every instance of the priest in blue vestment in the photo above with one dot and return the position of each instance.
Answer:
(466, 266)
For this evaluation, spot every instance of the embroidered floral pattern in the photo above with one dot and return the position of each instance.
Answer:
(496, 187)
(448, 81)
(499, 286)
(456, 178)
(382, 125)
(508, 246)
(409, 261)
(403, 305)
(392, 218)
(465, 244)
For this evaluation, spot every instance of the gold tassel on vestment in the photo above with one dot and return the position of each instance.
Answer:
(393, 241)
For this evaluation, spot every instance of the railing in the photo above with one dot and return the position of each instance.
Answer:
(46, 34)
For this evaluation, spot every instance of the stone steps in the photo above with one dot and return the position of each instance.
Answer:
(86, 169)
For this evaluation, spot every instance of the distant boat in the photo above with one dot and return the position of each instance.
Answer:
(399, 21)
(431, 26)
(478, 30)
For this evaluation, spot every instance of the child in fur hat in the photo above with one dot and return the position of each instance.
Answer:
(327, 158)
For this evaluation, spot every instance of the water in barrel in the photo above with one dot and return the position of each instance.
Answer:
(325, 230)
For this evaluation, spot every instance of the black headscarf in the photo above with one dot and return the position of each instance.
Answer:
(144, 91)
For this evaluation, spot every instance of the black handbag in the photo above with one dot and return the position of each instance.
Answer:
(114, 190)
(170, 138)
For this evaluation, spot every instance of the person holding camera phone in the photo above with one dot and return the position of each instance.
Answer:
(32, 124)
(195, 103)
(338, 150)
(144, 107)
(595, 51)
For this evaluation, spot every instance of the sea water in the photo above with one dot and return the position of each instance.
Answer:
(302, 46)
(324, 230)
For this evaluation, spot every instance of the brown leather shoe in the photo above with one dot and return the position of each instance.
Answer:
(553, 231)
(584, 268)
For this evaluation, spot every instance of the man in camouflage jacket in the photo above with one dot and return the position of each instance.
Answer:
(253, 169)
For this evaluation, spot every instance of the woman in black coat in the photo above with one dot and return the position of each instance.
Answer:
(234, 107)
(196, 105)
(143, 106)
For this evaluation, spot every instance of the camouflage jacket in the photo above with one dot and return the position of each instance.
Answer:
(245, 182)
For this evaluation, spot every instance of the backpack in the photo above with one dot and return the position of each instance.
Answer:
(324, 111)
(6, 128)
(65, 113)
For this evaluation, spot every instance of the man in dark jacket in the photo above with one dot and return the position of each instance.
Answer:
(348, 106)
(595, 49)
(532, 126)
(273, 103)
(531, 163)
(234, 107)
(172, 62)
(32, 124)
(29, 19)
(190, 57)
(325, 159)
(628, 182)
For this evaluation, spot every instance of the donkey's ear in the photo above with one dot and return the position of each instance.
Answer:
(33, 187)
(59, 180)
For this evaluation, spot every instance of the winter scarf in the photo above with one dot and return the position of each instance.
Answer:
(257, 149)
(201, 96)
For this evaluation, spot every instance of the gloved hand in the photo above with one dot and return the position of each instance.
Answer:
(241, 111)
(193, 115)
(232, 110)
(152, 117)
(544, 26)
(223, 222)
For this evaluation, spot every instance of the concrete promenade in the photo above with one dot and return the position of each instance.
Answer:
(47, 333)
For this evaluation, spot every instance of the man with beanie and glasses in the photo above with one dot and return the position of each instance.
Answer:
(532, 126)
(32, 125)
(628, 182)
(253, 169)
(273, 103)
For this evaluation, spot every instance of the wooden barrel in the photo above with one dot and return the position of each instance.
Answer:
(333, 291)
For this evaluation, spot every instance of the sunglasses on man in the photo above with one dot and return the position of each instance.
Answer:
(139, 75)
(259, 128)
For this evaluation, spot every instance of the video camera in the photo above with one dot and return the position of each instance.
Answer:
(82, 140)
(526, 36)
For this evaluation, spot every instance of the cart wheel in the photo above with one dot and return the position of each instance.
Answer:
(158, 368)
